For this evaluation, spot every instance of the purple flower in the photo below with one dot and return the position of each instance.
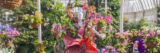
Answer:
(151, 33)
(140, 45)
(13, 33)
(8, 29)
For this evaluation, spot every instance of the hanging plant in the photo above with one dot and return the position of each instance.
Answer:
(35, 20)
(10, 4)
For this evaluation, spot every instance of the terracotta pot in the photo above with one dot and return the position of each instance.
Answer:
(35, 25)
(8, 44)
(99, 28)
(121, 40)
(150, 44)
(10, 4)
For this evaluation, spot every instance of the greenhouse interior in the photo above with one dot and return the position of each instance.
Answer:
(79, 26)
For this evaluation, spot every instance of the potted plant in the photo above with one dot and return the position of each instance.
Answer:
(35, 20)
(151, 41)
(101, 24)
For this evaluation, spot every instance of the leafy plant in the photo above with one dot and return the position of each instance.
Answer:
(102, 22)
(37, 18)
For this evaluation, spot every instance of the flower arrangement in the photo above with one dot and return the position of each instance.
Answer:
(7, 36)
(151, 40)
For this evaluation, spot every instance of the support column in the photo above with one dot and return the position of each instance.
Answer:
(121, 17)
(39, 28)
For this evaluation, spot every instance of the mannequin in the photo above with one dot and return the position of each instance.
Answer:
(135, 47)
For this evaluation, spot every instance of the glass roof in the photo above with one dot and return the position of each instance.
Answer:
(65, 2)
(140, 5)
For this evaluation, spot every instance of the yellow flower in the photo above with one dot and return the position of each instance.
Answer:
(39, 14)
(32, 20)
(93, 7)
(26, 16)
(144, 27)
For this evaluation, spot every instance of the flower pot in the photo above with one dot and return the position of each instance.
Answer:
(80, 5)
(35, 25)
(10, 4)
(150, 44)
(121, 40)
(99, 28)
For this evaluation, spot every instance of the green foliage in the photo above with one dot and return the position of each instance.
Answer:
(102, 22)
(109, 40)
(134, 25)
(26, 37)
(29, 48)
(2, 36)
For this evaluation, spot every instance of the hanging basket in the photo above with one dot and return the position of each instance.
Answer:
(35, 25)
(10, 4)
(150, 44)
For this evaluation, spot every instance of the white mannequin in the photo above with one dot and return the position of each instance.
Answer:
(79, 13)
(135, 47)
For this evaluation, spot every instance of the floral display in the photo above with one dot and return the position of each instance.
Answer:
(7, 35)
(81, 26)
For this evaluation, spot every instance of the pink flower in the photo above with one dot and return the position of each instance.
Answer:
(102, 50)
(125, 33)
(110, 28)
(118, 33)
(80, 32)
(148, 36)
(13, 33)
(108, 18)
(53, 27)
(98, 17)
(116, 36)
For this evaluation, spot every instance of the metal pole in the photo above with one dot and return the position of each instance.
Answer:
(39, 28)
(121, 17)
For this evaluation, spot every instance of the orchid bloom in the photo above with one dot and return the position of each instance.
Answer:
(13, 33)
